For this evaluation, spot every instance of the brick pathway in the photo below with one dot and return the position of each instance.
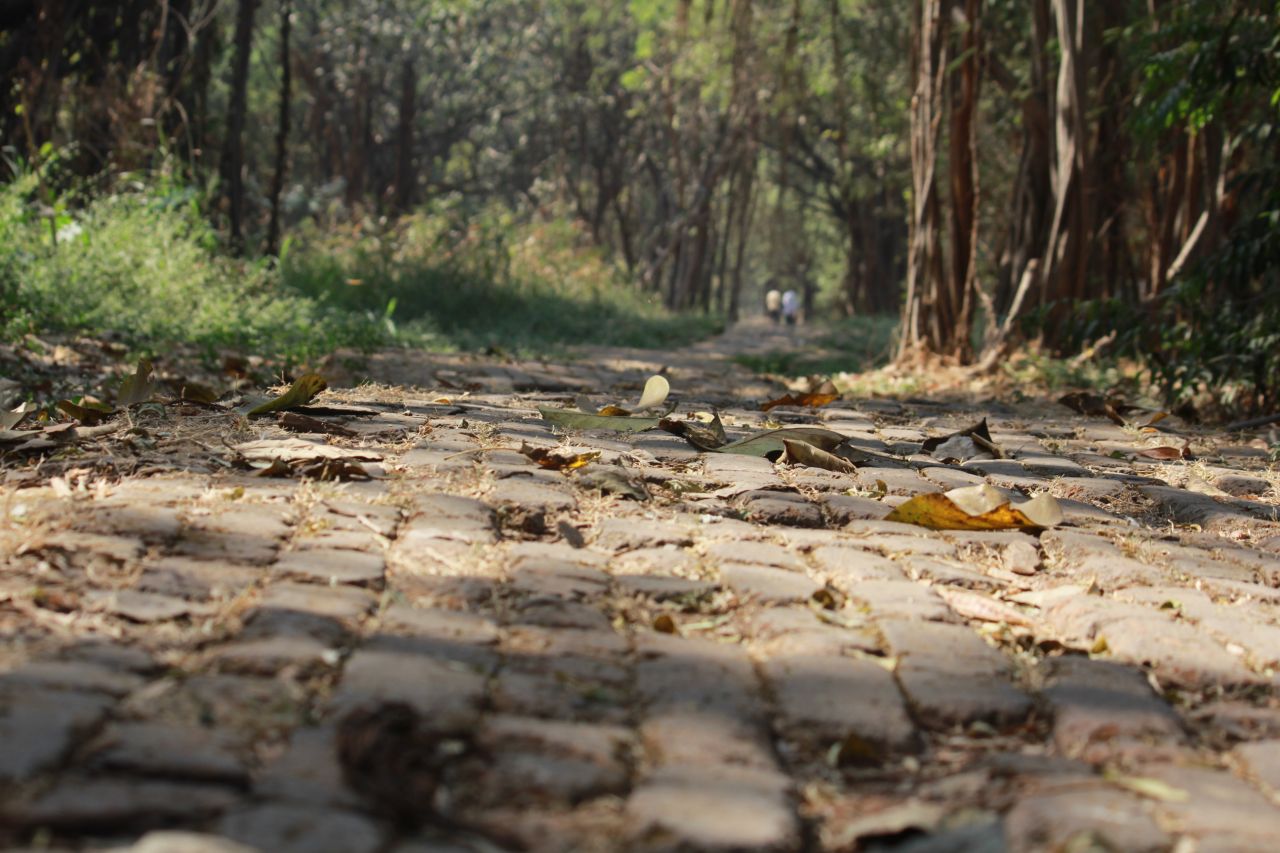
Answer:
(471, 653)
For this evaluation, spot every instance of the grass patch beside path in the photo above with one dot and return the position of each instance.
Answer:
(520, 288)
(850, 345)
(143, 268)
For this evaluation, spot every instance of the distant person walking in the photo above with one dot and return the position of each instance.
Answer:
(773, 304)
(790, 307)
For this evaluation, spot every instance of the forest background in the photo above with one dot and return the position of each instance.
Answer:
(975, 177)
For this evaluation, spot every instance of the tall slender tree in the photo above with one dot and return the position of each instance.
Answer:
(282, 128)
(232, 166)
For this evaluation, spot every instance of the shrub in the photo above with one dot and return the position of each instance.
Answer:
(458, 279)
(146, 269)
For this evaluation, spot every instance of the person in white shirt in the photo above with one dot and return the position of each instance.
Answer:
(773, 304)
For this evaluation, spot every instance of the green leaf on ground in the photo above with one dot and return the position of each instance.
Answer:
(571, 419)
(770, 444)
(303, 391)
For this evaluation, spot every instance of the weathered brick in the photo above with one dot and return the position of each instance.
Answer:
(713, 808)
(105, 804)
(755, 553)
(675, 673)
(951, 676)
(353, 567)
(38, 727)
(533, 762)
(301, 829)
(1103, 815)
(775, 507)
(824, 699)
(900, 599)
(1181, 654)
(161, 749)
(766, 584)
(1095, 702)
(447, 696)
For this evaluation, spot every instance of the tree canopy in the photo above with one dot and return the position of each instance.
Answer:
(993, 170)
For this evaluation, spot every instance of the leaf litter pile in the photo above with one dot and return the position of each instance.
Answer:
(969, 508)
(144, 423)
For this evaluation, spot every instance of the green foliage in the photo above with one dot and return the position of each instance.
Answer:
(145, 267)
(458, 279)
(1220, 346)
(1216, 341)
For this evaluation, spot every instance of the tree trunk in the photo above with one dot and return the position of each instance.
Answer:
(1066, 263)
(927, 311)
(406, 178)
(963, 169)
(282, 131)
(233, 145)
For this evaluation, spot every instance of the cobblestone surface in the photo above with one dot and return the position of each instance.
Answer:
(751, 659)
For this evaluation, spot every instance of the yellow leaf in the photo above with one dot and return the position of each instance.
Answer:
(300, 393)
(558, 460)
(977, 508)
(812, 401)
(613, 412)
(654, 394)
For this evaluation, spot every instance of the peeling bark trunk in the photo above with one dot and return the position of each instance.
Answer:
(924, 260)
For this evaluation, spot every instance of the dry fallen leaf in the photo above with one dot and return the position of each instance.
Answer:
(975, 606)
(10, 419)
(803, 453)
(963, 445)
(702, 437)
(303, 391)
(137, 388)
(1093, 404)
(812, 401)
(1167, 453)
(655, 393)
(977, 508)
(664, 624)
(88, 411)
(297, 422)
(770, 444)
(558, 460)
